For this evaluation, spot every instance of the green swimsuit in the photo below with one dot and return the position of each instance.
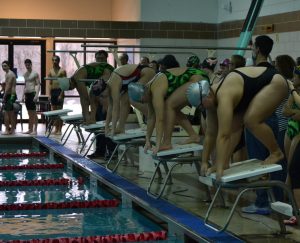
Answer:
(176, 81)
(293, 127)
(95, 72)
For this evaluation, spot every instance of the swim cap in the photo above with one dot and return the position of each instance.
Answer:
(225, 62)
(136, 91)
(64, 83)
(197, 91)
(297, 70)
(209, 63)
(193, 60)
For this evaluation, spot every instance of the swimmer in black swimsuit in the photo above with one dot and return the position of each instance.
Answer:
(247, 96)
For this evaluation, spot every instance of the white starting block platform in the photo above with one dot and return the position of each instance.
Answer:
(131, 138)
(56, 113)
(181, 149)
(71, 118)
(170, 159)
(74, 122)
(51, 116)
(252, 170)
(146, 159)
(130, 134)
(242, 170)
(97, 128)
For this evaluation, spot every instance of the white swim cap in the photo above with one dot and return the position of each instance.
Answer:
(64, 83)
(197, 91)
(136, 91)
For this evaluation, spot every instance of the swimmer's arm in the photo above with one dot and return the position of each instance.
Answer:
(225, 118)
(50, 81)
(210, 135)
(159, 107)
(287, 108)
(37, 87)
(150, 122)
(62, 74)
(9, 84)
(115, 96)
(114, 51)
(294, 93)
(108, 115)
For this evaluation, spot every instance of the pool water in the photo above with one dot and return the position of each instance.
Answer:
(59, 223)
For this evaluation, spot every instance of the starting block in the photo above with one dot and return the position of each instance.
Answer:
(51, 116)
(251, 170)
(75, 121)
(97, 129)
(173, 156)
(131, 138)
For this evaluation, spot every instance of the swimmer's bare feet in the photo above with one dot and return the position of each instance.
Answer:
(119, 131)
(192, 139)
(211, 170)
(6, 133)
(204, 169)
(165, 147)
(28, 132)
(273, 158)
(161, 148)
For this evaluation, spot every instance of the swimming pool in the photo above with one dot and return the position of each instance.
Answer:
(85, 222)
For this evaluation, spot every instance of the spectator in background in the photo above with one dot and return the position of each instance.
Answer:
(209, 65)
(124, 59)
(9, 99)
(30, 96)
(56, 93)
(145, 61)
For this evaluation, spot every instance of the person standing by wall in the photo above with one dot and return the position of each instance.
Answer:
(9, 99)
(30, 96)
(56, 93)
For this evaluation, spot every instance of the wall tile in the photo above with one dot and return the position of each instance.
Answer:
(52, 23)
(9, 31)
(86, 24)
(44, 32)
(35, 23)
(78, 33)
(102, 24)
(61, 32)
(4, 22)
(27, 31)
(18, 22)
(69, 23)
(95, 33)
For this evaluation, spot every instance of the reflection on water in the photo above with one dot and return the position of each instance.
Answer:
(53, 223)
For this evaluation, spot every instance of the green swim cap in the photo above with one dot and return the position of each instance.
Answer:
(193, 60)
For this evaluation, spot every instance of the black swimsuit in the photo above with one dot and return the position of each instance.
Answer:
(252, 85)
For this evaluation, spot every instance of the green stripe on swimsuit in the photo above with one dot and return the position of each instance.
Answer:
(177, 81)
